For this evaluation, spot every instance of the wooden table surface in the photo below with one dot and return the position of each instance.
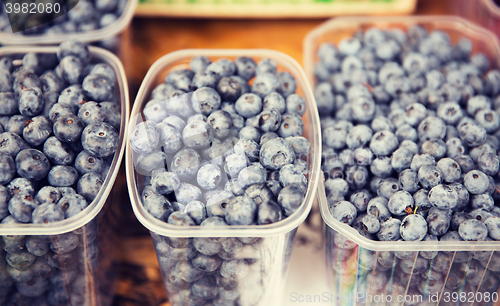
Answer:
(147, 40)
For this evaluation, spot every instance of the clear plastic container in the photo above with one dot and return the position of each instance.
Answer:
(107, 36)
(85, 275)
(267, 247)
(366, 272)
(483, 12)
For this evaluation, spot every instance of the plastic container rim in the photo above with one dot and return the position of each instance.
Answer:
(91, 36)
(96, 205)
(347, 231)
(493, 8)
(354, 21)
(281, 227)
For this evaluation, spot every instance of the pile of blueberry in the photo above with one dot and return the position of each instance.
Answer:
(410, 139)
(58, 122)
(216, 151)
(85, 16)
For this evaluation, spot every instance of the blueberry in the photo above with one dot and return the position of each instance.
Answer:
(325, 99)
(112, 114)
(363, 109)
(70, 69)
(180, 79)
(383, 143)
(185, 164)
(197, 135)
(7, 168)
(344, 212)
(21, 207)
(68, 128)
(387, 187)
(292, 174)
(443, 197)
(162, 91)
(156, 204)
(455, 147)
(4, 202)
(301, 145)
(429, 176)
(73, 96)
(84, 162)
(31, 101)
(276, 153)
(98, 87)
(381, 166)
(336, 186)
(401, 203)
(197, 211)
(91, 112)
(249, 132)
(209, 176)
(63, 243)
(266, 65)
(47, 213)
(413, 227)
(473, 230)
(253, 174)
(335, 136)
(476, 182)
(450, 170)
(438, 221)
(75, 48)
(419, 160)
(9, 105)
(198, 63)
(265, 83)
(208, 246)
(58, 152)
(290, 198)
(489, 163)
(389, 230)
(60, 109)
(245, 67)
(48, 194)
(144, 137)
(287, 82)
(62, 176)
(291, 125)
(89, 185)
(230, 88)
(406, 132)
(51, 82)
(187, 193)
(431, 128)
(268, 212)
(16, 124)
(484, 201)
(165, 183)
(100, 139)
(492, 225)
(25, 80)
(204, 78)
(401, 159)
(408, 180)
(358, 136)
(21, 186)
(37, 245)
(466, 163)
(222, 67)
(32, 164)
(104, 69)
(471, 133)
(216, 204)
